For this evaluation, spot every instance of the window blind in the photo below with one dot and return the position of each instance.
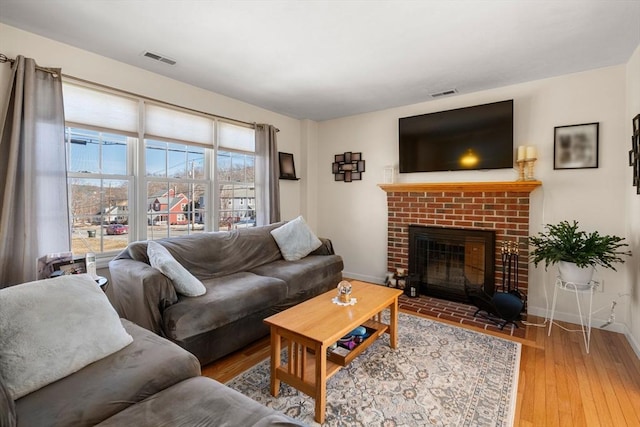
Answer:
(101, 109)
(236, 137)
(167, 123)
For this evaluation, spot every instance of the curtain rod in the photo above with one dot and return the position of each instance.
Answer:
(4, 59)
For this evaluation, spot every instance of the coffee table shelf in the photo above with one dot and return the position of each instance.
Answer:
(375, 329)
(304, 379)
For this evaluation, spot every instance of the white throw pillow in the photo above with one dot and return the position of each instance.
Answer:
(295, 239)
(52, 328)
(184, 282)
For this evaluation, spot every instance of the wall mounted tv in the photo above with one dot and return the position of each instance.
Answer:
(478, 137)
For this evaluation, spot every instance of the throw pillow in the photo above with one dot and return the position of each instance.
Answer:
(295, 239)
(184, 282)
(52, 328)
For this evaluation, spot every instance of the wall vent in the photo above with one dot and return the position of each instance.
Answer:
(160, 58)
(444, 93)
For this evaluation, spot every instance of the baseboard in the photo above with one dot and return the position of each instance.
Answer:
(632, 341)
(574, 318)
(362, 277)
(596, 323)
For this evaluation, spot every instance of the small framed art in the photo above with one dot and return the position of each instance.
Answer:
(287, 166)
(76, 265)
(576, 146)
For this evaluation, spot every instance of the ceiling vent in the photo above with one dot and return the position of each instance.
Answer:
(160, 58)
(444, 93)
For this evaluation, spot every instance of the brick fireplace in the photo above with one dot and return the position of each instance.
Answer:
(499, 206)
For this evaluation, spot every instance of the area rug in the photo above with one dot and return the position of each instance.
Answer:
(440, 375)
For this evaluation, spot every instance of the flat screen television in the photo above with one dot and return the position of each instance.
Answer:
(478, 137)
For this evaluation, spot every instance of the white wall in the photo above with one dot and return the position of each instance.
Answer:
(99, 69)
(633, 207)
(354, 214)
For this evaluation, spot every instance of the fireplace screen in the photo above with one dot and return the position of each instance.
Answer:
(446, 260)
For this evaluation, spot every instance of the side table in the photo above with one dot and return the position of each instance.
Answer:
(578, 289)
(103, 282)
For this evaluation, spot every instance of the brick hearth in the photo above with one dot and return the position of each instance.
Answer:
(458, 313)
(499, 206)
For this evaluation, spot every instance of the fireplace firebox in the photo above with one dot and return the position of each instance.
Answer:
(446, 261)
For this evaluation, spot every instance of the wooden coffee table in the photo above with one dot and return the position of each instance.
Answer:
(314, 325)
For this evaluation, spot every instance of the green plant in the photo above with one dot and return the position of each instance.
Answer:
(564, 242)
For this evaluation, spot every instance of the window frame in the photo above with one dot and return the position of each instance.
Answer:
(206, 181)
(136, 166)
(129, 177)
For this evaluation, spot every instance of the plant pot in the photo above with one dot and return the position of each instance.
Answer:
(580, 276)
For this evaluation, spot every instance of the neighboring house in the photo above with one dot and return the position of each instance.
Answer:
(238, 199)
(238, 203)
(167, 208)
(117, 214)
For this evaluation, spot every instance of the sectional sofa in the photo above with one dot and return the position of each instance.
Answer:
(66, 359)
(246, 275)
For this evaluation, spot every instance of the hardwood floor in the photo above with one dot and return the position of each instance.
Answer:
(559, 384)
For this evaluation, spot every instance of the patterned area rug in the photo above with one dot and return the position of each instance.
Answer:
(440, 375)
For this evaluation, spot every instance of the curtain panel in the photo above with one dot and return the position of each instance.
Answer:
(267, 175)
(34, 216)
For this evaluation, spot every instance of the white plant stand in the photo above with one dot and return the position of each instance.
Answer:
(578, 289)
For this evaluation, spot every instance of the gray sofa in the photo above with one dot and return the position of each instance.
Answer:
(67, 359)
(246, 280)
(149, 382)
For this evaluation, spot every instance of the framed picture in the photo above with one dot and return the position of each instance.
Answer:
(347, 167)
(72, 266)
(46, 264)
(287, 166)
(576, 146)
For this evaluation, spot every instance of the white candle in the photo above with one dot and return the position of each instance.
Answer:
(532, 153)
(521, 152)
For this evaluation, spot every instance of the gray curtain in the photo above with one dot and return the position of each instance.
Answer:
(267, 175)
(34, 216)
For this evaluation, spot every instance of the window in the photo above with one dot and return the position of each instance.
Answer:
(99, 189)
(236, 172)
(177, 185)
(128, 182)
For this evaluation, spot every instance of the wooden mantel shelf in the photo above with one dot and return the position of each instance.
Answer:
(517, 186)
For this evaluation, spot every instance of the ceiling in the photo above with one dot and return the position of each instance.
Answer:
(326, 59)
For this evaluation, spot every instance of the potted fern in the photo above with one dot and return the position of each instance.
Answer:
(576, 252)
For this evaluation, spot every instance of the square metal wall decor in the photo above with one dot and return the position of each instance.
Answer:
(348, 167)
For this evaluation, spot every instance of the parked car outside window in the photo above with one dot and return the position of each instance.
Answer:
(117, 229)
